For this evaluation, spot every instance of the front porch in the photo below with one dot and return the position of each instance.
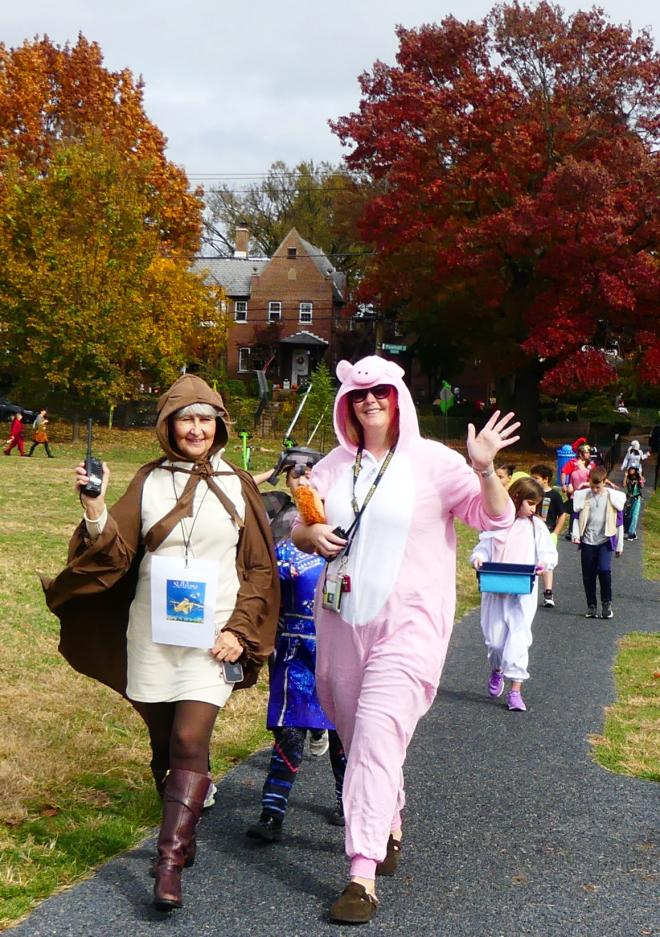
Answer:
(297, 356)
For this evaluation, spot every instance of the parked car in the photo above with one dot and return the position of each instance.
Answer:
(8, 410)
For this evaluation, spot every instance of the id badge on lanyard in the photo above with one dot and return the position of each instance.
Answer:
(183, 599)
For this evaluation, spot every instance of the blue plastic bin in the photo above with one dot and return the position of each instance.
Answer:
(564, 454)
(507, 578)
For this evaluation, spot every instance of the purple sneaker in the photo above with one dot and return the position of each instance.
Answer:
(515, 702)
(496, 684)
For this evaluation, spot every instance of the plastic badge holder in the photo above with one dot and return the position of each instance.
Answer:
(507, 578)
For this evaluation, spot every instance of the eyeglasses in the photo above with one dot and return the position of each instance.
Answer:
(380, 392)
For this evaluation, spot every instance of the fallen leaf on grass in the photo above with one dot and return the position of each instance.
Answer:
(591, 887)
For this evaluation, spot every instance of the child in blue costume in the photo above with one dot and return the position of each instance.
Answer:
(293, 706)
(634, 483)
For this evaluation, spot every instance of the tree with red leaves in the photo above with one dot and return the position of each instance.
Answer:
(515, 209)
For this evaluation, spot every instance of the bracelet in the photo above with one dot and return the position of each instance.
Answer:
(486, 472)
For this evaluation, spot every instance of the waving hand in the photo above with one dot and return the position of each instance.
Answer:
(496, 434)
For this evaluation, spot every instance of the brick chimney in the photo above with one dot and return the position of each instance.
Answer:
(242, 237)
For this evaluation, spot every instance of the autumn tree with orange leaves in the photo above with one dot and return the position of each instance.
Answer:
(515, 216)
(97, 230)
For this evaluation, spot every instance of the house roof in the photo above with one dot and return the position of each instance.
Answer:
(324, 266)
(303, 338)
(233, 273)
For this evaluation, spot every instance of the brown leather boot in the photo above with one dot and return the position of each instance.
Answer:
(183, 799)
(159, 776)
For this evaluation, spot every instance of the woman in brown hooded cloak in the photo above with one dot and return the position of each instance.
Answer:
(185, 510)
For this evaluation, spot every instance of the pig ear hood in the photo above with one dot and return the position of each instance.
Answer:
(368, 372)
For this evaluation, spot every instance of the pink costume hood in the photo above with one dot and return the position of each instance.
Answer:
(368, 372)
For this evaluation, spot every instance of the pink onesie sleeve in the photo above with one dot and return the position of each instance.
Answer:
(461, 491)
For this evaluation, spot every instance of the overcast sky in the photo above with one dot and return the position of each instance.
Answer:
(235, 85)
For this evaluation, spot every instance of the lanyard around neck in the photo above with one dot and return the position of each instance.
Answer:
(357, 467)
(359, 511)
(187, 538)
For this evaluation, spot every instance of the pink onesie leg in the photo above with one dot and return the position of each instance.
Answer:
(339, 662)
(376, 702)
(400, 804)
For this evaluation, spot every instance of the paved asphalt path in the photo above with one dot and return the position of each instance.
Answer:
(510, 830)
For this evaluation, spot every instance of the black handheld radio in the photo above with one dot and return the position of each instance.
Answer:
(93, 468)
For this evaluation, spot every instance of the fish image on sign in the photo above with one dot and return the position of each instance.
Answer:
(185, 600)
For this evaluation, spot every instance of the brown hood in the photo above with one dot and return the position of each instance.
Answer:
(187, 390)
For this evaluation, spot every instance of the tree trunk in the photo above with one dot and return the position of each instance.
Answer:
(520, 393)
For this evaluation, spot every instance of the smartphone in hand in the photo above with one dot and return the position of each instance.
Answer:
(233, 673)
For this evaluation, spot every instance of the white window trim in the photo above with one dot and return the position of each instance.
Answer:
(243, 348)
(274, 315)
(244, 311)
(308, 313)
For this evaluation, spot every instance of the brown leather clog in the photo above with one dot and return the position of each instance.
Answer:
(389, 864)
(354, 906)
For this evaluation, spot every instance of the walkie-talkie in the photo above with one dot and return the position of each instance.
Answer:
(93, 468)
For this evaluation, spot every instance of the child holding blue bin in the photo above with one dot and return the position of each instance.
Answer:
(506, 620)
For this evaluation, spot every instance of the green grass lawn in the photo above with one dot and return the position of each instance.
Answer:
(630, 742)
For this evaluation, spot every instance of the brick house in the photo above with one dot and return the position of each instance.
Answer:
(285, 310)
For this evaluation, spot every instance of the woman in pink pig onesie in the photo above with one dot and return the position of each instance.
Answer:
(380, 654)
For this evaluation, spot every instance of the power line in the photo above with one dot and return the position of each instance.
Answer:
(290, 260)
(277, 174)
(295, 192)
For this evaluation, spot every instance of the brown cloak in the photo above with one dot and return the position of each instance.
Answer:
(92, 595)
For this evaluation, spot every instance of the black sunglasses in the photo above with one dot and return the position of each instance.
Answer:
(380, 392)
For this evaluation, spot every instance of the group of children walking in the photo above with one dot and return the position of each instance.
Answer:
(598, 514)
(17, 437)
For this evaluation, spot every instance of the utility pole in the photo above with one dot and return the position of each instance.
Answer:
(379, 333)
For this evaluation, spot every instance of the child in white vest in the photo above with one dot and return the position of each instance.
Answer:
(597, 526)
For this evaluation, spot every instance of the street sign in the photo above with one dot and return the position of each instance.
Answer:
(394, 349)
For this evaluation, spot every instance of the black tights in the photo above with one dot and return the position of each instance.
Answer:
(46, 447)
(180, 733)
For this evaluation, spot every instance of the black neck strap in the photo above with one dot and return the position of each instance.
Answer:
(359, 511)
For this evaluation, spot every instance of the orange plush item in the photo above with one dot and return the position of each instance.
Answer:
(309, 504)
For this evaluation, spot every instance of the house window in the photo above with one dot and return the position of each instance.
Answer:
(244, 359)
(274, 312)
(291, 252)
(240, 311)
(305, 314)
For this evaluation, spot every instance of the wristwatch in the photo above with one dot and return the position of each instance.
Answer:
(486, 472)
